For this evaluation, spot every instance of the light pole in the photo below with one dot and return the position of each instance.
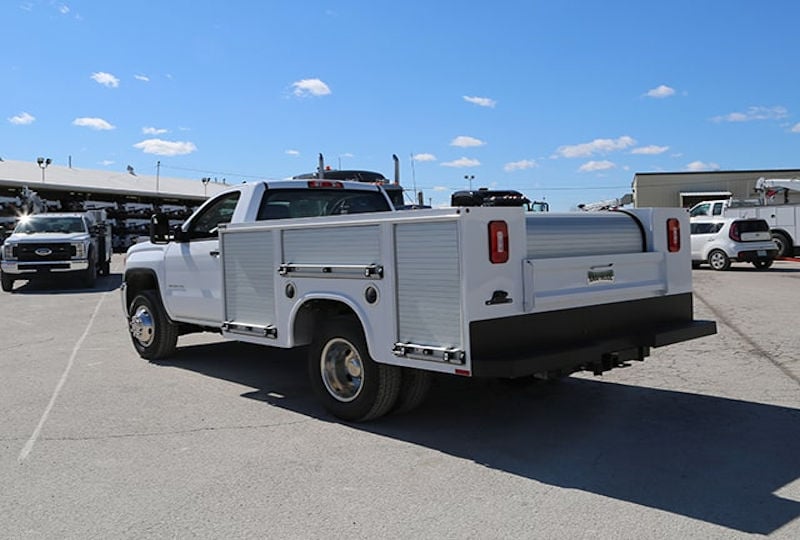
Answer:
(43, 163)
(205, 180)
(469, 178)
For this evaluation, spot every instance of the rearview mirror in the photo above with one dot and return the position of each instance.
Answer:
(159, 229)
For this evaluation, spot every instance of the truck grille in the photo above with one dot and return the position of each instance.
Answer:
(41, 252)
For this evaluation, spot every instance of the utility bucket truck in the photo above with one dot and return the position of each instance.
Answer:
(778, 203)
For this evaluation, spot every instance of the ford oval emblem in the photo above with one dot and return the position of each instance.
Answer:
(43, 252)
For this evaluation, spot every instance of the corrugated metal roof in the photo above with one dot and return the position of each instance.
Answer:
(25, 173)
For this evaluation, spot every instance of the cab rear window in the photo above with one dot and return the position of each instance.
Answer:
(295, 203)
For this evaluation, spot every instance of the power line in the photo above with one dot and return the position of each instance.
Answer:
(205, 172)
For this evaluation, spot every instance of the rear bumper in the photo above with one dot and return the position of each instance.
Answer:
(757, 255)
(594, 338)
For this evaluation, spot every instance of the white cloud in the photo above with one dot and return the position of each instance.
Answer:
(63, 9)
(153, 131)
(482, 101)
(107, 162)
(520, 165)
(423, 157)
(463, 141)
(462, 162)
(659, 92)
(144, 78)
(696, 166)
(591, 166)
(650, 150)
(22, 119)
(292, 152)
(310, 87)
(95, 123)
(597, 146)
(754, 113)
(106, 79)
(160, 147)
(796, 128)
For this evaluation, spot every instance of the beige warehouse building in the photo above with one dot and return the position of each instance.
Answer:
(684, 189)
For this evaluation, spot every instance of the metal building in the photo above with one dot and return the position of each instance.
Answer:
(128, 198)
(684, 189)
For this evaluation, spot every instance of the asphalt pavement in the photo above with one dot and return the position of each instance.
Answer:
(225, 440)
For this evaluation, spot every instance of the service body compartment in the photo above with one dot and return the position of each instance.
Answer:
(429, 296)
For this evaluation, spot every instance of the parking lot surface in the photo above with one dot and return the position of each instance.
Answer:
(225, 440)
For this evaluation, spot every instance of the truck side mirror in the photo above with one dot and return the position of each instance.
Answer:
(159, 229)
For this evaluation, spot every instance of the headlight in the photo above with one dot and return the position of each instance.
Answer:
(8, 252)
(79, 250)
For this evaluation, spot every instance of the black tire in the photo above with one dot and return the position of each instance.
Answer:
(346, 380)
(105, 268)
(7, 282)
(89, 276)
(785, 248)
(695, 265)
(718, 260)
(153, 335)
(414, 387)
(762, 265)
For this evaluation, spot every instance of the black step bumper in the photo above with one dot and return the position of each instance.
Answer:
(594, 338)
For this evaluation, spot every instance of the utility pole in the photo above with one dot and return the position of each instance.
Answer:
(158, 173)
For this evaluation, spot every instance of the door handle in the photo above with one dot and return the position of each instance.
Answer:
(214, 253)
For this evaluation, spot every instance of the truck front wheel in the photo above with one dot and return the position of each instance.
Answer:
(154, 336)
(7, 282)
(89, 277)
(348, 382)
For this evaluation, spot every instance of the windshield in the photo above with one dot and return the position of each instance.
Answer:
(44, 224)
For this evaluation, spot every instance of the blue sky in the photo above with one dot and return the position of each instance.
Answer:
(562, 100)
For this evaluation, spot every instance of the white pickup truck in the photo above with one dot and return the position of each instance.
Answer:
(384, 298)
(57, 245)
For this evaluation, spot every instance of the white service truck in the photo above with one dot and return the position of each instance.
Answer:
(57, 245)
(778, 204)
(384, 298)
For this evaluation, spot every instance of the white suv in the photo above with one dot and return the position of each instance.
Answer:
(719, 242)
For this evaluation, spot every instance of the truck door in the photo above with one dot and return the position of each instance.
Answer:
(192, 267)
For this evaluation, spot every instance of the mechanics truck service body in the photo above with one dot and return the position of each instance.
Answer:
(384, 298)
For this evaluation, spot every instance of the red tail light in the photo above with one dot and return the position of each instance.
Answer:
(673, 235)
(733, 233)
(498, 242)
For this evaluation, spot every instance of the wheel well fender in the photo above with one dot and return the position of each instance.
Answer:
(311, 311)
(137, 281)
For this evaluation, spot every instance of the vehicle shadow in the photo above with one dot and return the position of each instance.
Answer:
(68, 286)
(709, 458)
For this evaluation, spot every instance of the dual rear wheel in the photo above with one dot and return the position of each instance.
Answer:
(350, 384)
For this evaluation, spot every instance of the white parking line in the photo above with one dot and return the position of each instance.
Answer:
(26, 450)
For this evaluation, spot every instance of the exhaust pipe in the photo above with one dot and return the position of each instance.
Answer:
(396, 169)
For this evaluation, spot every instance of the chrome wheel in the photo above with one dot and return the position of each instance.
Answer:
(142, 327)
(342, 370)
